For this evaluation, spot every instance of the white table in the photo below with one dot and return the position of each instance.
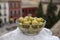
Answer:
(45, 34)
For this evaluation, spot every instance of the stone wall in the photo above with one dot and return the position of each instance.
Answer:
(56, 29)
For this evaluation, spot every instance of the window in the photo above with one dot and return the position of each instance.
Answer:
(10, 12)
(5, 20)
(10, 5)
(23, 10)
(30, 11)
(0, 21)
(11, 16)
(15, 13)
(4, 6)
(0, 6)
(0, 14)
(14, 5)
(19, 12)
(5, 14)
(19, 5)
(33, 10)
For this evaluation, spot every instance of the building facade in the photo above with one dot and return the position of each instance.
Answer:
(4, 16)
(14, 10)
(21, 8)
(29, 7)
(29, 10)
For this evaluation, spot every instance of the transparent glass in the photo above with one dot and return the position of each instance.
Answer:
(31, 29)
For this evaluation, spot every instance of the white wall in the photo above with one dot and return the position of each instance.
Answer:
(25, 1)
(1, 17)
(6, 10)
(44, 7)
(29, 3)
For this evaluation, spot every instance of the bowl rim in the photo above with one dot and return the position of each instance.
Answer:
(44, 23)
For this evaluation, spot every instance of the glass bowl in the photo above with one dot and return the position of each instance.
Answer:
(31, 29)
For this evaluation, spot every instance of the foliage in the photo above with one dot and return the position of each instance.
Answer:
(40, 11)
(59, 14)
(50, 15)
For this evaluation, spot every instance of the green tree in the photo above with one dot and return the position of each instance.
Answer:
(40, 11)
(50, 15)
(59, 14)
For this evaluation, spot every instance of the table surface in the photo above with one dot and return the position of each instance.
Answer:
(45, 34)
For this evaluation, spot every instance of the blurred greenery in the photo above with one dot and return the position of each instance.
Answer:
(59, 14)
(40, 10)
(50, 16)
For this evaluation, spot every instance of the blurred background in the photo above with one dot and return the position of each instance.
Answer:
(11, 10)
